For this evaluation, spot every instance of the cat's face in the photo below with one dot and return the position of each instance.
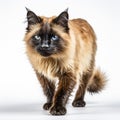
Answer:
(47, 35)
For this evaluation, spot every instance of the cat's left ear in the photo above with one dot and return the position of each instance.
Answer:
(32, 18)
(62, 19)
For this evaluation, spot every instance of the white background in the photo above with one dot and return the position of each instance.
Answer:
(21, 96)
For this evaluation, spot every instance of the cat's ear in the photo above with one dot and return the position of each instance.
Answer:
(32, 18)
(62, 19)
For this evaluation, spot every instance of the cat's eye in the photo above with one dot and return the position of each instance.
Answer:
(37, 37)
(54, 37)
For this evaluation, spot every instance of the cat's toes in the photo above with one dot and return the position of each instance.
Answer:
(47, 106)
(78, 103)
(58, 110)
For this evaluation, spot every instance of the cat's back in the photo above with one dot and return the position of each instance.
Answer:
(85, 43)
(82, 27)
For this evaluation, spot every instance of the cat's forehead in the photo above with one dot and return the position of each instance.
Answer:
(46, 21)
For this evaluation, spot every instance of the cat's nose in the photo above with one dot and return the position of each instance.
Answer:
(44, 45)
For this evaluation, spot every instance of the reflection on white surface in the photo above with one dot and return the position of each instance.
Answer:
(93, 111)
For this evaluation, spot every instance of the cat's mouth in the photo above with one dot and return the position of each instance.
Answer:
(44, 52)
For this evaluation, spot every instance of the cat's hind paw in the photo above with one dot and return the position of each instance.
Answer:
(78, 103)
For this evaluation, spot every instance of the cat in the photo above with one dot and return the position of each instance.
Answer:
(63, 50)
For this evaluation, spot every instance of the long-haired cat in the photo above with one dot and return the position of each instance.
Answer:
(64, 50)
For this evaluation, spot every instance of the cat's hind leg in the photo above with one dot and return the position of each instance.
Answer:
(79, 97)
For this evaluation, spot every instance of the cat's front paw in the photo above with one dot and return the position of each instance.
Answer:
(58, 110)
(78, 103)
(47, 106)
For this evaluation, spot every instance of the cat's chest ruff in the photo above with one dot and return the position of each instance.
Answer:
(48, 68)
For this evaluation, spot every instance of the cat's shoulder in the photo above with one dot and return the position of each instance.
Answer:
(79, 22)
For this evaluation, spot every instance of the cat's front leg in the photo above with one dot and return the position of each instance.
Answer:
(65, 87)
(48, 89)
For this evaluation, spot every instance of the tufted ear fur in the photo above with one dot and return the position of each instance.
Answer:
(62, 19)
(32, 18)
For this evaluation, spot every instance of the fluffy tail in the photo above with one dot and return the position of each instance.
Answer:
(97, 82)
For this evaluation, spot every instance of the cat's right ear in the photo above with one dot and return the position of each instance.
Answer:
(32, 18)
(62, 20)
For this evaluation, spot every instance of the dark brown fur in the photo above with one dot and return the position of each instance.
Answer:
(64, 50)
